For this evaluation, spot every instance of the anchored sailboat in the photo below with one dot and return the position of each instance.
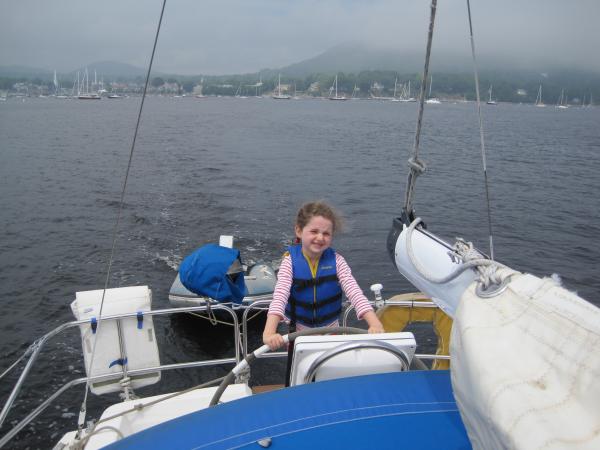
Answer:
(83, 88)
(406, 94)
(538, 101)
(490, 101)
(432, 100)
(279, 95)
(334, 90)
(562, 101)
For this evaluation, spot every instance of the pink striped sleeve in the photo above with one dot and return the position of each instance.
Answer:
(351, 287)
(283, 286)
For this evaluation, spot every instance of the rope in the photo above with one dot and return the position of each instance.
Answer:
(82, 411)
(481, 134)
(417, 167)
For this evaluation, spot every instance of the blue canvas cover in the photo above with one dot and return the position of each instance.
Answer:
(204, 272)
(390, 411)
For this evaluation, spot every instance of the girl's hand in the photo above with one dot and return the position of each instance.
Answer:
(375, 325)
(274, 341)
(377, 328)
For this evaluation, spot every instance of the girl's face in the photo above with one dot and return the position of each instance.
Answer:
(316, 236)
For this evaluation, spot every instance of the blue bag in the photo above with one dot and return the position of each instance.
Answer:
(204, 272)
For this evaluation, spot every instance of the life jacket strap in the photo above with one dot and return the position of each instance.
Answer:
(300, 283)
(308, 304)
(319, 320)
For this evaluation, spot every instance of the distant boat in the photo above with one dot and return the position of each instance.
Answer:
(354, 91)
(490, 101)
(56, 85)
(405, 97)
(432, 100)
(589, 104)
(538, 100)
(83, 88)
(89, 97)
(114, 96)
(562, 101)
(279, 95)
(394, 98)
(335, 87)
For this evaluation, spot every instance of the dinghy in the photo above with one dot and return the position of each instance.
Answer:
(259, 282)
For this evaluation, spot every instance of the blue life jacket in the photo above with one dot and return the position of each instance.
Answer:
(314, 302)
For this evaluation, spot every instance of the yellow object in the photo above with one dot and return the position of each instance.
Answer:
(396, 318)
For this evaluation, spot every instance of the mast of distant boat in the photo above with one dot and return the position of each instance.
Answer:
(538, 100)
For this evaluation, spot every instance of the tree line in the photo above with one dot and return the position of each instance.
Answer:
(506, 87)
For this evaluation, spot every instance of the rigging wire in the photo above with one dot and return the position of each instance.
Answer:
(481, 134)
(417, 167)
(82, 411)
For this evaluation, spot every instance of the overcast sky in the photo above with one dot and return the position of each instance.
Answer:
(237, 36)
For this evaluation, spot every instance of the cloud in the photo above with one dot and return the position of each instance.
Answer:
(233, 36)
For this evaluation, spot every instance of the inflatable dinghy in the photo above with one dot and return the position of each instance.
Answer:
(212, 273)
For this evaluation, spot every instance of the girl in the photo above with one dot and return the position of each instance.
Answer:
(311, 278)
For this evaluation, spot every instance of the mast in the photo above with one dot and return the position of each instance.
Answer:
(55, 84)
(336, 87)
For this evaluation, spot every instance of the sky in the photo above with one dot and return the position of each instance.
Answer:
(244, 36)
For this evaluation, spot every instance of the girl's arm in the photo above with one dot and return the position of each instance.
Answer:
(364, 310)
(270, 336)
(276, 312)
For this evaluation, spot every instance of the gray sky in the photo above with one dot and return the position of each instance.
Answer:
(234, 36)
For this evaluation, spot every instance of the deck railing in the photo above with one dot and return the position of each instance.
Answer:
(240, 348)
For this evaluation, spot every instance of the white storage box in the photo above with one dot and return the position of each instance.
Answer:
(137, 333)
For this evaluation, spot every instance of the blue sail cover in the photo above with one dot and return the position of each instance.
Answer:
(204, 272)
(400, 410)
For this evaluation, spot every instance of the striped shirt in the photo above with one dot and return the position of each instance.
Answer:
(349, 285)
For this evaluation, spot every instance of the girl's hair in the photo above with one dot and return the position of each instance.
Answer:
(318, 208)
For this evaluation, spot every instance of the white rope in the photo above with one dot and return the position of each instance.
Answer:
(481, 134)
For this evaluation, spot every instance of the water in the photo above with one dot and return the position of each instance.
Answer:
(231, 166)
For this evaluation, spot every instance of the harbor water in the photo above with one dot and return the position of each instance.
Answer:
(211, 166)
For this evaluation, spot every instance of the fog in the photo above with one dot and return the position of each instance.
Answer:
(240, 36)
